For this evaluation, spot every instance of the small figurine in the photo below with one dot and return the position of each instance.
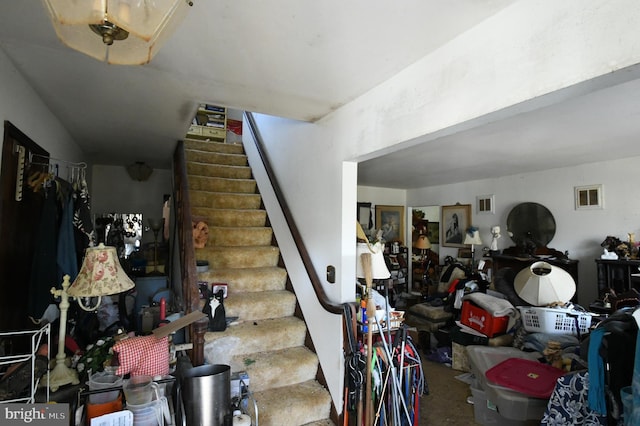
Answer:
(495, 232)
(611, 255)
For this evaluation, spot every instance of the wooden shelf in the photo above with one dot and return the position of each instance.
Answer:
(209, 123)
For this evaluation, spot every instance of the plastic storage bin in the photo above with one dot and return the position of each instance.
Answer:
(480, 320)
(510, 404)
(486, 413)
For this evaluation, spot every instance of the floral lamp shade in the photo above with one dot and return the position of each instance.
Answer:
(101, 274)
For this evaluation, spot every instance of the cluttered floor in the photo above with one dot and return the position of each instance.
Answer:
(560, 365)
(446, 403)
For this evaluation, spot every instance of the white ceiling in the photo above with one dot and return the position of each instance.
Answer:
(302, 60)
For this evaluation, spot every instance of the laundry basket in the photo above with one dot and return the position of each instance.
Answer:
(554, 320)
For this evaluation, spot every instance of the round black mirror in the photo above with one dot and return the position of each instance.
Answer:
(529, 223)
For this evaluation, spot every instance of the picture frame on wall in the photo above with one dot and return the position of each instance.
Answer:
(433, 232)
(364, 216)
(455, 221)
(390, 219)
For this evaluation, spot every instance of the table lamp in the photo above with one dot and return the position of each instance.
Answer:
(155, 225)
(61, 374)
(100, 275)
(423, 244)
(472, 237)
(370, 265)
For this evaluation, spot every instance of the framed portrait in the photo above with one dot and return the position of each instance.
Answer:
(433, 232)
(364, 216)
(455, 220)
(390, 219)
(464, 253)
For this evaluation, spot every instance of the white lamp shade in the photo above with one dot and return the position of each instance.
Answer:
(379, 268)
(542, 284)
(149, 23)
(101, 274)
(473, 238)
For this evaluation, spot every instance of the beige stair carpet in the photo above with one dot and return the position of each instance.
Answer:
(266, 340)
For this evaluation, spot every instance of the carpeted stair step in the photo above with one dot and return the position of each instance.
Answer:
(216, 184)
(239, 257)
(275, 369)
(260, 305)
(292, 405)
(224, 200)
(216, 158)
(239, 236)
(230, 217)
(245, 280)
(267, 340)
(254, 336)
(217, 170)
(211, 146)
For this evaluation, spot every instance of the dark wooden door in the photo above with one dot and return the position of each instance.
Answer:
(18, 225)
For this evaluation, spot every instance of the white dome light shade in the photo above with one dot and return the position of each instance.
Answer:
(543, 284)
(127, 32)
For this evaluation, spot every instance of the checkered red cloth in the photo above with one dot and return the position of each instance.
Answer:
(143, 356)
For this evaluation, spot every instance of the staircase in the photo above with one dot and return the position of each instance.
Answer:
(267, 340)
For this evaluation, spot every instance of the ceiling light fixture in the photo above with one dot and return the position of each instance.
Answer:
(126, 32)
(139, 171)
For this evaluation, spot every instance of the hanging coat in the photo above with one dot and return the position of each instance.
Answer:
(44, 269)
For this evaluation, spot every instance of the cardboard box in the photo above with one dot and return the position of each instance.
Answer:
(459, 357)
(480, 320)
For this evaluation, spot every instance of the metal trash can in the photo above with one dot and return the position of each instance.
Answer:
(205, 395)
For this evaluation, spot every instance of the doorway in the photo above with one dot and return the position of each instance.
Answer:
(20, 210)
(425, 248)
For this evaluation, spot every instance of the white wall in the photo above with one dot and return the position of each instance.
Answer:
(525, 51)
(383, 196)
(20, 105)
(113, 191)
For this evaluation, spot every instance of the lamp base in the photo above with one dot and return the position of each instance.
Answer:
(62, 375)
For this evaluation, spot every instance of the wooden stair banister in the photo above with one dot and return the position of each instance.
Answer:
(327, 304)
(188, 271)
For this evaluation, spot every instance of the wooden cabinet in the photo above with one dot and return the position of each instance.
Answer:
(617, 275)
(210, 123)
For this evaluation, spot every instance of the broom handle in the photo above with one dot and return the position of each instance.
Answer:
(371, 313)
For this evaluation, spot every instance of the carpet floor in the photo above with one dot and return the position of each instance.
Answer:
(446, 403)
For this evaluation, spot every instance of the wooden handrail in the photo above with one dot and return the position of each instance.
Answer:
(188, 271)
(328, 305)
(325, 302)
